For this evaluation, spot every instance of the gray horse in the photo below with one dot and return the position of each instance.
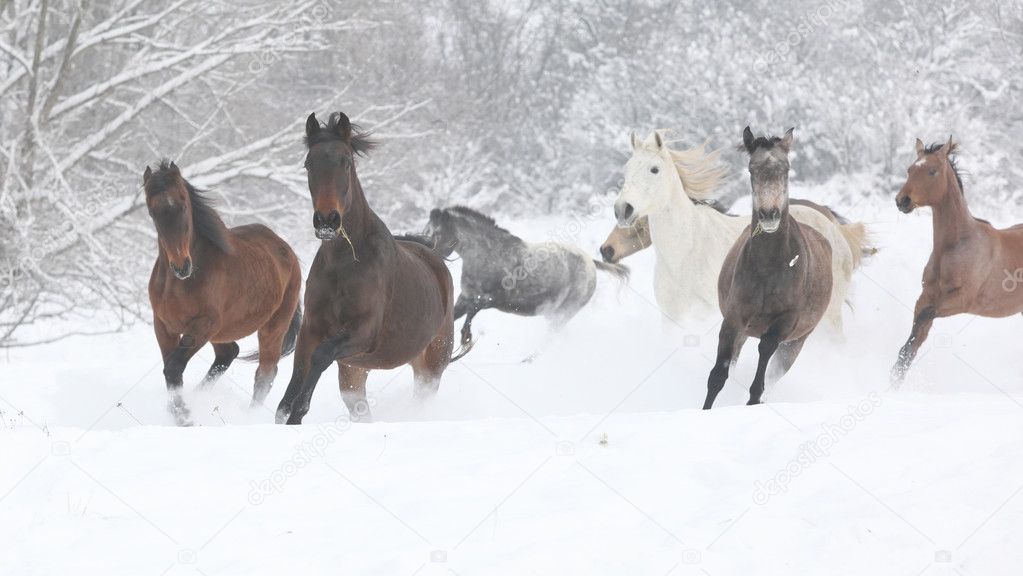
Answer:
(502, 271)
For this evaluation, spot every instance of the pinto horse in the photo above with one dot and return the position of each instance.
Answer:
(216, 284)
(776, 281)
(372, 301)
(973, 265)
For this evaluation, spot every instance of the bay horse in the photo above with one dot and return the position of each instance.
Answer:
(372, 302)
(973, 268)
(691, 238)
(504, 272)
(776, 282)
(216, 284)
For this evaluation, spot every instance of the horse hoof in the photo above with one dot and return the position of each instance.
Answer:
(282, 416)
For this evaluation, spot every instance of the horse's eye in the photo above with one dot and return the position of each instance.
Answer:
(655, 170)
(933, 171)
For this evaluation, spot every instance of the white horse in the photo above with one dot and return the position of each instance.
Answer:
(691, 239)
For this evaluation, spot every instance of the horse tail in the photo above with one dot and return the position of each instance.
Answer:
(858, 238)
(619, 271)
(290, 338)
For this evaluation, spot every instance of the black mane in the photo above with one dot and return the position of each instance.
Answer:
(205, 220)
(764, 142)
(468, 213)
(361, 141)
(953, 160)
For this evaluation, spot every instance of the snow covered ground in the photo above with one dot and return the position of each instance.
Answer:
(594, 459)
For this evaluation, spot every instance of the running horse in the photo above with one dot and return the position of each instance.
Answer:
(776, 282)
(372, 301)
(974, 267)
(216, 284)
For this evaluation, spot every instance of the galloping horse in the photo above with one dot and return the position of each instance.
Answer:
(216, 284)
(973, 266)
(372, 302)
(691, 239)
(776, 282)
(502, 271)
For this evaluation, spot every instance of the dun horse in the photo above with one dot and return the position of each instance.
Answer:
(776, 281)
(973, 266)
(372, 302)
(215, 284)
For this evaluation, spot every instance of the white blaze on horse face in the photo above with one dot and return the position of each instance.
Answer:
(647, 185)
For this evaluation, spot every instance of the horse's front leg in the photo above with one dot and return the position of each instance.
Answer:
(357, 340)
(923, 318)
(768, 345)
(177, 351)
(729, 341)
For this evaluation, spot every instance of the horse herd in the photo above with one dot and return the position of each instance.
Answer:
(374, 300)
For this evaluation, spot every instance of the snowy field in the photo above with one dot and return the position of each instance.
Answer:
(594, 459)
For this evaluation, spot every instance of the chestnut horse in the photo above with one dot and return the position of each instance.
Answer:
(216, 284)
(776, 281)
(372, 302)
(974, 267)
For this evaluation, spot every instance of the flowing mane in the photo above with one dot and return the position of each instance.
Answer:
(953, 160)
(205, 220)
(361, 141)
(701, 171)
(467, 214)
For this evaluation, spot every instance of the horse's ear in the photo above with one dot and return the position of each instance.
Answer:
(658, 140)
(174, 169)
(312, 125)
(633, 140)
(786, 140)
(747, 139)
(343, 128)
(435, 214)
(147, 175)
(949, 146)
(920, 147)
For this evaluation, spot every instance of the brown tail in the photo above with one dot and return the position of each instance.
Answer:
(289, 339)
(619, 271)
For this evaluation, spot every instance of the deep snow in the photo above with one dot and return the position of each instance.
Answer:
(592, 460)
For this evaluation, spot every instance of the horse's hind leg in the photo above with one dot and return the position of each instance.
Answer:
(225, 352)
(784, 358)
(428, 367)
(352, 382)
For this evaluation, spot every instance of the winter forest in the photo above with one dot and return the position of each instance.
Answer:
(522, 108)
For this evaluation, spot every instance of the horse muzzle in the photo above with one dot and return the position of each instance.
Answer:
(607, 254)
(904, 204)
(183, 272)
(327, 227)
(769, 220)
(625, 213)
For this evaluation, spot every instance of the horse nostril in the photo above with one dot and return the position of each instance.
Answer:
(607, 253)
(334, 220)
(186, 267)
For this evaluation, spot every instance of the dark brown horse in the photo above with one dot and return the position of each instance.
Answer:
(775, 283)
(974, 268)
(372, 302)
(215, 284)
